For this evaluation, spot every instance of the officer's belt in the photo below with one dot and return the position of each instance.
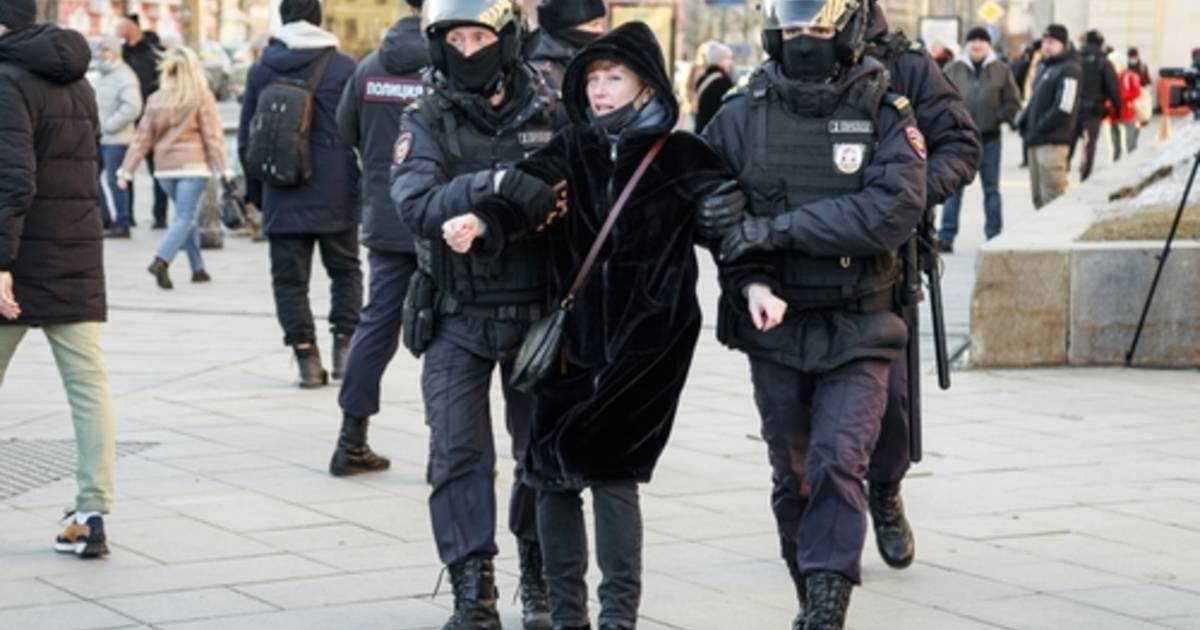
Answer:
(532, 312)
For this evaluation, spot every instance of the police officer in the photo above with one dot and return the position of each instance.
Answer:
(487, 110)
(564, 26)
(834, 167)
(384, 84)
(954, 149)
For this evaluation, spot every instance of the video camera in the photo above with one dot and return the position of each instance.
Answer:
(1188, 94)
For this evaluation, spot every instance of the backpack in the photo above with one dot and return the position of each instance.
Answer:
(278, 152)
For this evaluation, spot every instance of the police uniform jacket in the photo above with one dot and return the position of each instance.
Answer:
(386, 82)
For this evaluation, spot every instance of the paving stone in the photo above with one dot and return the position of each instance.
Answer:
(1146, 601)
(63, 616)
(28, 592)
(184, 605)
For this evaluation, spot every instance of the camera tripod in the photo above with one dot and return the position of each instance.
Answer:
(1162, 259)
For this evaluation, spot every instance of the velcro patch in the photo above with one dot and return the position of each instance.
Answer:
(916, 140)
(851, 126)
(403, 148)
(392, 90)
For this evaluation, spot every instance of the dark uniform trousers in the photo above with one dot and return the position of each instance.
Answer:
(820, 429)
(377, 336)
(291, 270)
(462, 452)
(890, 459)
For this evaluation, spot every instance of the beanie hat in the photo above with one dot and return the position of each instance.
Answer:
(979, 33)
(716, 53)
(416, 4)
(1094, 38)
(560, 15)
(17, 14)
(296, 10)
(1059, 32)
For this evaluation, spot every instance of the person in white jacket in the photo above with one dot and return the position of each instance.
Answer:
(119, 97)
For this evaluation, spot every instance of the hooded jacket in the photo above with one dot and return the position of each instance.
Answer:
(1053, 109)
(386, 82)
(50, 234)
(632, 332)
(955, 147)
(328, 202)
(990, 92)
(120, 101)
(143, 59)
(1099, 91)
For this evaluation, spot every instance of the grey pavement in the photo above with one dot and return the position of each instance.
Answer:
(1049, 499)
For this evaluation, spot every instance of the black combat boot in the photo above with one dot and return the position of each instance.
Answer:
(341, 349)
(535, 604)
(475, 596)
(312, 373)
(828, 597)
(798, 581)
(893, 535)
(352, 455)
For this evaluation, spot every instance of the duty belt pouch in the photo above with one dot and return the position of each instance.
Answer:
(417, 314)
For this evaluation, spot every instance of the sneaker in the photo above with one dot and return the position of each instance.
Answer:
(84, 540)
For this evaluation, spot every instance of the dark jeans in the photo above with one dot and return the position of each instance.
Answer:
(1089, 131)
(462, 452)
(291, 269)
(820, 430)
(989, 175)
(618, 553)
(377, 336)
(111, 156)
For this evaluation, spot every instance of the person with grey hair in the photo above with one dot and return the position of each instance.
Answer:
(716, 81)
(119, 97)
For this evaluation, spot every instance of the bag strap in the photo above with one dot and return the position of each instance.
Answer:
(588, 262)
(318, 70)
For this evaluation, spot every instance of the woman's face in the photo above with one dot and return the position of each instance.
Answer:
(611, 88)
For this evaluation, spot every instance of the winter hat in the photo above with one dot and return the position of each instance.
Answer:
(17, 14)
(1059, 32)
(416, 4)
(296, 10)
(716, 53)
(560, 15)
(1094, 38)
(979, 33)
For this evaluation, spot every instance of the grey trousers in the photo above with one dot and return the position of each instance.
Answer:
(618, 553)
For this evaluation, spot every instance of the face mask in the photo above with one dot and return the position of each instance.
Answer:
(807, 58)
(481, 73)
(617, 120)
(575, 37)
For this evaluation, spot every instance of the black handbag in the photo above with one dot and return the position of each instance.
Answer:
(542, 349)
(233, 207)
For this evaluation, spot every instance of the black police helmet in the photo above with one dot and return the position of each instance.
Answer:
(503, 17)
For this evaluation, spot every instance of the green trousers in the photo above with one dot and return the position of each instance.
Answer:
(80, 361)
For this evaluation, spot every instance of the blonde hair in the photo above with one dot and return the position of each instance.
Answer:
(182, 76)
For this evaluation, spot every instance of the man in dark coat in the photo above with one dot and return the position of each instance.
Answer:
(386, 82)
(141, 52)
(954, 151)
(1099, 94)
(714, 84)
(321, 212)
(834, 165)
(1048, 122)
(564, 26)
(51, 243)
(486, 109)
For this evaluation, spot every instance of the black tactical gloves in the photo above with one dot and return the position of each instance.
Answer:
(721, 211)
(755, 234)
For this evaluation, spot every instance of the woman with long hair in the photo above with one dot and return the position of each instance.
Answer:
(183, 129)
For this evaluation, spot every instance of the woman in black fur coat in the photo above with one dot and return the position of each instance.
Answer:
(630, 337)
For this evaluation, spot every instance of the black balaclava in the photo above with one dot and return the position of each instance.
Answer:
(481, 73)
(808, 58)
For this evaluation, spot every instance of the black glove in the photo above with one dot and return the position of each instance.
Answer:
(721, 211)
(753, 235)
(527, 192)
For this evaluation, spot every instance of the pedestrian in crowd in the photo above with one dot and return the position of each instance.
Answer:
(141, 52)
(320, 212)
(120, 102)
(954, 149)
(941, 54)
(1025, 71)
(1135, 63)
(182, 126)
(1123, 123)
(51, 244)
(836, 187)
(602, 422)
(487, 109)
(385, 83)
(1099, 95)
(564, 26)
(1049, 119)
(991, 94)
(714, 83)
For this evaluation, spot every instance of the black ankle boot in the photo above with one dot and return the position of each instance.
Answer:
(893, 535)
(535, 604)
(158, 269)
(352, 455)
(341, 350)
(828, 597)
(312, 373)
(475, 596)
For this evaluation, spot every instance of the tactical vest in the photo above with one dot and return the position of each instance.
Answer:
(518, 276)
(793, 160)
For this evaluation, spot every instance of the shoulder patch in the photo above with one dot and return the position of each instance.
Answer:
(402, 149)
(916, 140)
